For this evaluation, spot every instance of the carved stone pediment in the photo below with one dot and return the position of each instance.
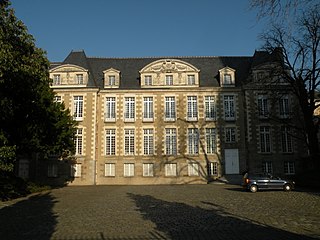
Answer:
(168, 65)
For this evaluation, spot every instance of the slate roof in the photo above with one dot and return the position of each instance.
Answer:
(129, 67)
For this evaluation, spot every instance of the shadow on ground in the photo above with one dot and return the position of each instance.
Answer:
(28, 219)
(181, 221)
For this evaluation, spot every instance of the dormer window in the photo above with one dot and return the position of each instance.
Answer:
(191, 80)
(111, 78)
(79, 79)
(227, 77)
(148, 80)
(169, 80)
(56, 79)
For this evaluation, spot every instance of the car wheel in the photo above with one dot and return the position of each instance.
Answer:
(253, 188)
(287, 187)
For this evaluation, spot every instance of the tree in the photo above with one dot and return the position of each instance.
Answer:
(299, 57)
(30, 121)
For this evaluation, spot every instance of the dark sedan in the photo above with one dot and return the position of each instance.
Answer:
(257, 182)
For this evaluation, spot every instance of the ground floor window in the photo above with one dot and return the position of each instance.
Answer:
(213, 168)
(289, 168)
(148, 169)
(76, 170)
(267, 167)
(193, 169)
(171, 169)
(128, 169)
(109, 170)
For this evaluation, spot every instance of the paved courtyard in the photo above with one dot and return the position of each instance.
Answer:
(162, 212)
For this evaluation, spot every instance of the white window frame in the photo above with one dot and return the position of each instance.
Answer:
(148, 80)
(227, 79)
(129, 141)
(110, 109)
(110, 146)
(148, 169)
(230, 134)
(191, 79)
(169, 80)
(76, 170)
(267, 167)
(211, 147)
(229, 107)
(78, 108)
(193, 141)
(79, 79)
(263, 106)
(284, 107)
(56, 79)
(112, 80)
(213, 168)
(129, 111)
(128, 169)
(170, 169)
(57, 99)
(78, 141)
(265, 139)
(148, 141)
(148, 113)
(193, 169)
(109, 169)
(170, 108)
(210, 108)
(192, 108)
(171, 141)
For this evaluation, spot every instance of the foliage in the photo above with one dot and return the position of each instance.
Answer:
(29, 119)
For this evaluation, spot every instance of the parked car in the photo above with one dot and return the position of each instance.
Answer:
(257, 182)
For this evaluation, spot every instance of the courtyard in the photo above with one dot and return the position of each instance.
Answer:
(214, 211)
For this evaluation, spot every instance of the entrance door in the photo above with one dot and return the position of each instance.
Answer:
(231, 158)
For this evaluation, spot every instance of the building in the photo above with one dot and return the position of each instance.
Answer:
(173, 120)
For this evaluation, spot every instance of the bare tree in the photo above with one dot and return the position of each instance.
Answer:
(298, 64)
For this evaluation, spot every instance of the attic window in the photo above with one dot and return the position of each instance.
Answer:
(112, 80)
(227, 79)
(79, 78)
(56, 79)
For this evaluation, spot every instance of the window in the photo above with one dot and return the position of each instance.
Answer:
(110, 114)
(148, 80)
(169, 80)
(286, 139)
(147, 169)
(79, 79)
(192, 111)
(193, 169)
(129, 111)
(230, 135)
(128, 169)
(213, 168)
(211, 140)
(56, 79)
(129, 141)
(289, 168)
(148, 109)
(57, 99)
(52, 170)
(284, 107)
(265, 144)
(78, 108)
(110, 141)
(109, 170)
(171, 141)
(76, 170)
(193, 141)
(229, 112)
(171, 169)
(170, 109)
(227, 80)
(78, 141)
(210, 113)
(263, 108)
(267, 167)
(112, 80)
(191, 80)
(148, 142)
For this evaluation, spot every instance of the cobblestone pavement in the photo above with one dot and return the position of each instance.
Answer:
(162, 212)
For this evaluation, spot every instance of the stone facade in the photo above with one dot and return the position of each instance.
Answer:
(172, 120)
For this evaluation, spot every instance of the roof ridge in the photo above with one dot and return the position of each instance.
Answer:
(168, 57)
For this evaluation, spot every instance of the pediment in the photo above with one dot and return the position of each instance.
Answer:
(111, 70)
(68, 68)
(168, 65)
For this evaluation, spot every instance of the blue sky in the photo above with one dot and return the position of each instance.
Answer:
(141, 28)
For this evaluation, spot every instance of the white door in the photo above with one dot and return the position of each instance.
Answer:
(231, 158)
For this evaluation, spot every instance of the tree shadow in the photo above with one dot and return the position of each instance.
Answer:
(182, 221)
(28, 219)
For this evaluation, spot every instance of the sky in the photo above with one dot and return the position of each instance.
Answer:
(141, 28)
